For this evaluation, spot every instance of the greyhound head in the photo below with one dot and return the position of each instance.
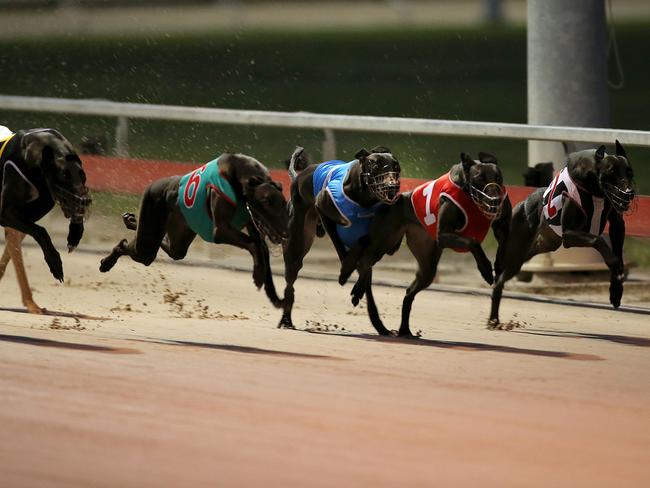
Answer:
(268, 208)
(484, 182)
(380, 172)
(615, 177)
(59, 163)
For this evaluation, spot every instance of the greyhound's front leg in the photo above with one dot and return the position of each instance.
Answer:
(501, 230)
(40, 235)
(617, 276)
(484, 265)
(224, 234)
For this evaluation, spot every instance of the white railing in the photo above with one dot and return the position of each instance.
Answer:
(326, 122)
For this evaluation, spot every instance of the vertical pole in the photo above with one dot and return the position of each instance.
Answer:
(122, 137)
(567, 70)
(329, 145)
(567, 85)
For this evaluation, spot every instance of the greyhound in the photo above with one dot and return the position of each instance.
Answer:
(594, 188)
(339, 199)
(456, 210)
(216, 201)
(40, 168)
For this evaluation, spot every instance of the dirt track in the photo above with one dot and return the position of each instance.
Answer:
(179, 381)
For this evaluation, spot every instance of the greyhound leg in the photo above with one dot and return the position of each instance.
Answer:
(151, 230)
(427, 253)
(302, 230)
(178, 237)
(520, 246)
(373, 313)
(14, 241)
(4, 260)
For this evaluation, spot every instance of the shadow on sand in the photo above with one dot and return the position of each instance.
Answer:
(36, 341)
(239, 349)
(467, 346)
(619, 339)
(54, 313)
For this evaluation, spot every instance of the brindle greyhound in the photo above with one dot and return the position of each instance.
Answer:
(39, 169)
(594, 188)
(455, 211)
(362, 186)
(232, 192)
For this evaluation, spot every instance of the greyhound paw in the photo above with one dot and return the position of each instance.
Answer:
(486, 273)
(285, 323)
(109, 261)
(493, 324)
(31, 307)
(357, 294)
(55, 265)
(258, 277)
(615, 291)
(344, 276)
(130, 221)
(406, 334)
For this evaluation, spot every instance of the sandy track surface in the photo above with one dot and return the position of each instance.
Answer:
(176, 375)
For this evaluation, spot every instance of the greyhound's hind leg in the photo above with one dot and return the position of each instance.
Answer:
(179, 236)
(151, 229)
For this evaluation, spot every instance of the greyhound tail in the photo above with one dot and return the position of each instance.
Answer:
(297, 162)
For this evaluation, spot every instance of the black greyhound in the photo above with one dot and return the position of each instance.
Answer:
(342, 197)
(216, 201)
(40, 168)
(594, 188)
(455, 210)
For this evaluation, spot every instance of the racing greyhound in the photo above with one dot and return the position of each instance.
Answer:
(343, 197)
(216, 201)
(456, 210)
(40, 168)
(593, 189)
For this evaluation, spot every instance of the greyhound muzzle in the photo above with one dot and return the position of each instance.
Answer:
(384, 186)
(620, 199)
(76, 207)
(264, 228)
(489, 205)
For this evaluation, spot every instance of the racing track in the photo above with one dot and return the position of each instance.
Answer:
(176, 375)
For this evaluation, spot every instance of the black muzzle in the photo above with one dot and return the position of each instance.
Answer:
(620, 199)
(384, 186)
(265, 228)
(76, 207)
(490, 206)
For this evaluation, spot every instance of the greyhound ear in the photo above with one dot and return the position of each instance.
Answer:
(619, 150)
(487, 158)
(362, 154)
(34, 143)
(600, 153)
(381, 150)
(466, 161)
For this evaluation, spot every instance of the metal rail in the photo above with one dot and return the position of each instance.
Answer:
(327, 122)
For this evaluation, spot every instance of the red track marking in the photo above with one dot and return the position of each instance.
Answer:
(133, 175)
